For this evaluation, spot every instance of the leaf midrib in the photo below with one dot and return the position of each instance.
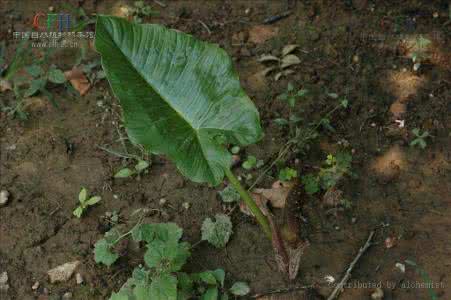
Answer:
(152, 85)
(164, 99)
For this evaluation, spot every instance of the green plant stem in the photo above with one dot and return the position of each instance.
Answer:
(261, 219)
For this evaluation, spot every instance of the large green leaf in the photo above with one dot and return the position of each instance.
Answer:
(180, 96)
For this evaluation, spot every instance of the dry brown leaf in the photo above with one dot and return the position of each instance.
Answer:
(332, 197)
(278, 76)
(257, 81)
(290, 60)
(261, 33)
(268, 57)
(268, 70)
(390, 242)
(283, 73)
(288, 49)
(259, 200)
(78, 80)
(277, 195)
(5, 85)
(35, 104)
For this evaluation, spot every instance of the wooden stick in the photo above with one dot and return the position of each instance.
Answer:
(345, 278)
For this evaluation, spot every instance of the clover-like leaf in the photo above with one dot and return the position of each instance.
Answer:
(78, 212)
(217, 232)
(250, 162)
(166, 256)
(163, 287)
(83, 195)
(286, 174)
(210, 294)
(219, 275)
(93, 200)
(103, 253)
(124, 173)
(208, 277)
(177, 95)
(34, 70)
(141, 165)
(56, 76)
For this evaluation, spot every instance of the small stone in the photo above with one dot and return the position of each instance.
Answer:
(435, 15)
(401, 267)
(4, 196)
(78, 278)
(4, 286)
(63, 272)
(35, 286)
(162, 201)
(356, 59)
(378, 294)
(3, 278)
(67, 296)
(186, 205)
(353, 220)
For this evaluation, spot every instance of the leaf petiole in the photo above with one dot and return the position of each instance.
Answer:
(256, 211)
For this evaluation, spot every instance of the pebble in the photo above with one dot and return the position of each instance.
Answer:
(401, 267)
(4, 286)
(78, 278)
(4, 196)
(378, 294)
(35, 286)
(63, 272)
(67, 296)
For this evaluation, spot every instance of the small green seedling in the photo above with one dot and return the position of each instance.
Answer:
(161, 276)
(140, 167)
(287, 174)
(140, 10)
(235, 149)
(419, 51)
(85, 202)
(336, 167)
(251, 162)
(40, 77)
(420, 138)
(291, 95)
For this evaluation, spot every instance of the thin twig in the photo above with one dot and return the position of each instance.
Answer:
(160, 3)
(205, 26)
(345, 278)
(118, 154)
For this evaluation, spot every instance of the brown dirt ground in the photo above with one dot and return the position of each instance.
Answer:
(403, 191)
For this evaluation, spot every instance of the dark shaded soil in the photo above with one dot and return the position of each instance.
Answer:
(404, 192)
